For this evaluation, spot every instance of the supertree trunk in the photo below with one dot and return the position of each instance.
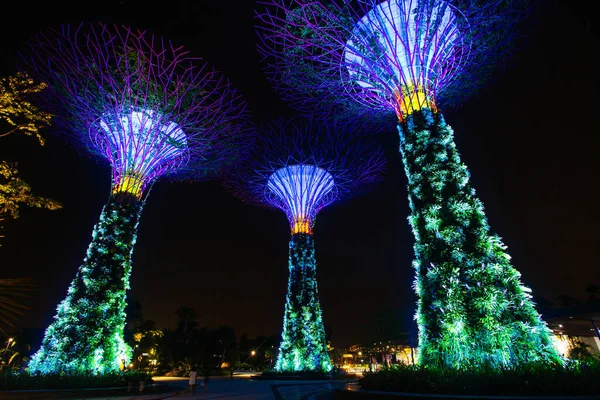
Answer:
(87, 333)
(303, 342)
(473, 311)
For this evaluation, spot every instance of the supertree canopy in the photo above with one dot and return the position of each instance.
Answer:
(301, 166)
(152, 111)
(409, 58)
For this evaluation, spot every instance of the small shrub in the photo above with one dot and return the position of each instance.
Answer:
(573, 378)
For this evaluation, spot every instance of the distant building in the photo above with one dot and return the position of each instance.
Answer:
(372, 356)
(575, 329)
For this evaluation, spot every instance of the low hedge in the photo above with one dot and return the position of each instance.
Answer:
(572, 378)
(24, 380)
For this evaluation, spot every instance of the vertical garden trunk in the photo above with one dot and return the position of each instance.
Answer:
(86, 335)
(303, 343)
(473, 311)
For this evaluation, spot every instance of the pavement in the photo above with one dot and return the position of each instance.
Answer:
(240, 387)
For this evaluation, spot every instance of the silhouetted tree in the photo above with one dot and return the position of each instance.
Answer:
(135, 316)
(592, 291)
(187, 320)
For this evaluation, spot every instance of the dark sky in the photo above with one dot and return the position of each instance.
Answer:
(530, 139)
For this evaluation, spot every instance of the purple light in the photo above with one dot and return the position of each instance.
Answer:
(142, 145)
(303, 165)
(381, 56)
(402, 45)
(151, 111)
(300, 166)
(147, 107)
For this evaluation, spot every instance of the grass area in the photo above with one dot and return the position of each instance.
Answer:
(572, 378)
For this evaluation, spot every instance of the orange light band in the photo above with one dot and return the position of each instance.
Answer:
(301, 225)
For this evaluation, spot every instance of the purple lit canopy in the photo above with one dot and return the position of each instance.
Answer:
(394, 55)
(302, 165)
(141, 103)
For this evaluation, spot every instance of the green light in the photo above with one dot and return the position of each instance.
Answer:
(86, 336)
(303, 343)
(472, 309)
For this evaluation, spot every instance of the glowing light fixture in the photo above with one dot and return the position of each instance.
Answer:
(411, 53)
(143, 144)
(302, 188)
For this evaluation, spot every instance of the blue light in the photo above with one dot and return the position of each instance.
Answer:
(141, 145)
(402, 43)
(302, 190)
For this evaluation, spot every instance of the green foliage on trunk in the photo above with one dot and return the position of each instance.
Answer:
(86, 336)
(303, 343)
(473, 311)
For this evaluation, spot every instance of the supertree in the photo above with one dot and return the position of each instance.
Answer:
(153, 112)
(301, 166)
(406, 59)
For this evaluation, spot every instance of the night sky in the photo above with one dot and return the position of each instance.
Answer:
(530, 139)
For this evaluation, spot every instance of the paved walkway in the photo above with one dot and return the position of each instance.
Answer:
(239, 388)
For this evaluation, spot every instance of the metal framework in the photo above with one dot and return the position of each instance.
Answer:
(303, 189)
(378, 57)
(301, 166)
(408, 59)
(146, 106)
(153, 112)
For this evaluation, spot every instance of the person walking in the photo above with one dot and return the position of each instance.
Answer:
(193, 377)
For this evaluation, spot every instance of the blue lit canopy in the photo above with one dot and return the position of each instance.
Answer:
(149, 108)
(301, 191)
(300, 166)
(371, 56)
(404, 45)
(142, 145)
(303, 164)
(152, 111)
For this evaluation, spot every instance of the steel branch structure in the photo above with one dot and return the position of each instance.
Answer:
(396, 55)
(301, 166)
(153, 112)
(408, 59)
